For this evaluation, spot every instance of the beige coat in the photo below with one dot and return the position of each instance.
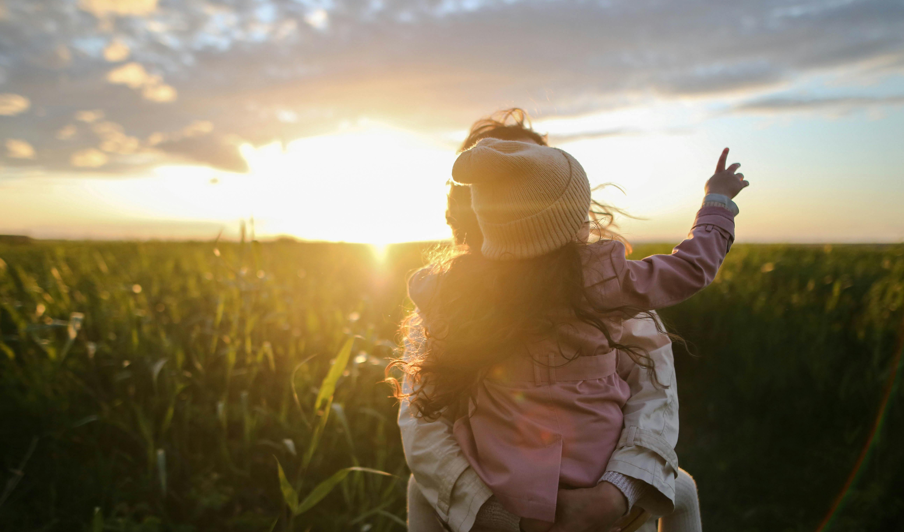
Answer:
(645, 450)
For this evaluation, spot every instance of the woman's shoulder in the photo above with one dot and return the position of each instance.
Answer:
(602, 261)
(423, 285)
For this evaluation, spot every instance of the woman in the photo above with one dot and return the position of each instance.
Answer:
(444, 491)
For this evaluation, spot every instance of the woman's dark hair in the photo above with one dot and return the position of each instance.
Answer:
(483, 310)
(508, 124)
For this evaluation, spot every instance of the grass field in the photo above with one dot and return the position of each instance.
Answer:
(157, 386)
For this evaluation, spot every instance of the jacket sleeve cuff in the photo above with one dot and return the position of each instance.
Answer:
(658, 501)
(718, 217)
(647, 439)
(721, 200)
(469, 494)
(631, 488)
(646, 456)
(494, 516)
(450, 468)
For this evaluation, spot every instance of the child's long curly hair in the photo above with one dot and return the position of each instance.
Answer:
(483, 311)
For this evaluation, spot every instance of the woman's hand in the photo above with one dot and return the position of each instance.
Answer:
(593, 509)
(535, 525)
(725, 181)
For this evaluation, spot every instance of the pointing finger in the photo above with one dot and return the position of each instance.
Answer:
(721, 165)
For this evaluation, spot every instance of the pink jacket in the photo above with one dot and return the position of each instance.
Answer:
(537, 422)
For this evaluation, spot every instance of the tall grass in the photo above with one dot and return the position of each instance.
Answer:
(234, 386)
(159, 381)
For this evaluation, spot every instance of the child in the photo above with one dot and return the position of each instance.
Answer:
(522, 339)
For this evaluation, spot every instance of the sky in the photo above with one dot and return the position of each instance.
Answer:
(339, 120)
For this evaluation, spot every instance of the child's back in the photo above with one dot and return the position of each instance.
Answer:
(542, 418)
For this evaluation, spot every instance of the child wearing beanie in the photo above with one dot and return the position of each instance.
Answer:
(543, 410)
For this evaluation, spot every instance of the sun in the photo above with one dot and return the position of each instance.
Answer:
(373, 184)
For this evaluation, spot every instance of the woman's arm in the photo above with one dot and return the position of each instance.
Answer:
(646, 448)
(645, 453)
(441, 470)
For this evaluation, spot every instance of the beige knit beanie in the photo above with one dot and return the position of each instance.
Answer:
(529, 199)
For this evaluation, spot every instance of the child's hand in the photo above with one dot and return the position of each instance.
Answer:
(725, 181)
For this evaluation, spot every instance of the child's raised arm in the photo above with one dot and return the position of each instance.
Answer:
(663, 280)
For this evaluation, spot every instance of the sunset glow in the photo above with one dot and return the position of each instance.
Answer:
(340, 122)
(371, 184)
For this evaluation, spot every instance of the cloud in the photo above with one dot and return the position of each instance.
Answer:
(19, 149)
(214, 151)
(113, 140)
(133, 75)
(159, 92)
(90, 158)
(116, 51)
(187, 144)
(197, 128)
(266, 70)
(104, 8)
(13, 104)
(89, 116)
(66, 132)
(574, 137)
(721, 78)
(318, 19)
(843, 104)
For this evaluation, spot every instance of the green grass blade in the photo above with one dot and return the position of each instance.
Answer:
(325, 398)
(290, 496)
(394, 518)
(7, 351)
(328, 386)
(161, 470)
(324, 488)
(97, 524)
